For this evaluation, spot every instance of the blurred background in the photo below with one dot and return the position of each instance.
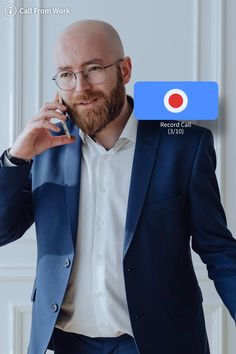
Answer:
(167, 40)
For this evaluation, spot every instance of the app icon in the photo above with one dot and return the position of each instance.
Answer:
(176, 100)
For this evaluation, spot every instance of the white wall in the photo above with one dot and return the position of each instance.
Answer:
(167, 40)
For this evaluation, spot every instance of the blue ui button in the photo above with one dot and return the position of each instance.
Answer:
(176, 100)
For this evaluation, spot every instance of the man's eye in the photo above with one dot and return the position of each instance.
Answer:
(94, 68)
(66, 75)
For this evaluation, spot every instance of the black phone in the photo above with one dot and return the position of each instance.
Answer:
(64, 125)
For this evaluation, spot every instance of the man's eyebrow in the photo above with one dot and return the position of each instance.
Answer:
(60, 68)
(92, 61)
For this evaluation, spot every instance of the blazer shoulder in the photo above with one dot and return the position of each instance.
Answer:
(181, 135)
(203, 135)
(196, 129)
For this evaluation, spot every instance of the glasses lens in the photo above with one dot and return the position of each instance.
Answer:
(66, 80)
(95, 74)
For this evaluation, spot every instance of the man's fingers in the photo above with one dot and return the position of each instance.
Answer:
(46, 125)
(53, 106)
(49, 115)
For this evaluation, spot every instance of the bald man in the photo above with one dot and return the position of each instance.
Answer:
(115, 203)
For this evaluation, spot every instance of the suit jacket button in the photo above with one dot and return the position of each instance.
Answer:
(54, 307)
(138, 315)
(67, 263)
(131, 269)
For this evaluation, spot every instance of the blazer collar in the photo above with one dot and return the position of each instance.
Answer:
(148, 138)
(72, 179)
(147, 142)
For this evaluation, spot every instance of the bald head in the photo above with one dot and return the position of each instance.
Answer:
(97, 96)
(89, 39)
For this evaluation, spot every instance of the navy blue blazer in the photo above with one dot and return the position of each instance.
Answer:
(173, 202)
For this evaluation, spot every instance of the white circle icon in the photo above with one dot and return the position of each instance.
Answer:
(175, 100)
(10, 10)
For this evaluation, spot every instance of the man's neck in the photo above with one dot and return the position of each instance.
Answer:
(108, 136)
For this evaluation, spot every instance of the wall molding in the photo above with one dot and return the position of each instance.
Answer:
(15, 73)
(20, 312)
(39, 56)
(196, 40)
(208, 64)
(16, 68)
(216, 313)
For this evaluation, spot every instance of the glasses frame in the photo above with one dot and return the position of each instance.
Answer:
(84, 73)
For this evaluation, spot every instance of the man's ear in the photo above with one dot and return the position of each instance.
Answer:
(126, 68)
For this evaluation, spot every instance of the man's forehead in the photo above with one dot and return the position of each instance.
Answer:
(80, 53)
(85, 41)
(79, 58)
(84, 36)
(82, 43)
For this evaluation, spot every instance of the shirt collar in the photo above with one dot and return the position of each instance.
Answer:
(82, 135)
(130, 130)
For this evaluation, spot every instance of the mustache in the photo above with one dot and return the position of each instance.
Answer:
(88, 96)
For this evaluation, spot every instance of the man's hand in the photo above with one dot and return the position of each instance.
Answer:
(36, 137)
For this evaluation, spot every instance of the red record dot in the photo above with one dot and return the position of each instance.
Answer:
(175, 100)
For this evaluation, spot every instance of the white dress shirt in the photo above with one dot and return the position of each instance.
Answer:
(95, 303)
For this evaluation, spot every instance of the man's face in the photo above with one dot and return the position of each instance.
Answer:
(94, 109)
(91, 106)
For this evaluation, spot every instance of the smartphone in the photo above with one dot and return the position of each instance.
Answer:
(65, 128)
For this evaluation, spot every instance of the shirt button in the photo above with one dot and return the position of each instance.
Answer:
(138, 315)
(100, 223)
(54, 307)
(99, 292)
(67, 263)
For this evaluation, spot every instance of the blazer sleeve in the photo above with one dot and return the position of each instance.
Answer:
(210, 237)
(16, 209)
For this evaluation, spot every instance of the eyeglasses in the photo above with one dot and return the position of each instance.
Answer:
(94, 73)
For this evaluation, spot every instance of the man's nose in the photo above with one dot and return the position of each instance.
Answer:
(82, 84)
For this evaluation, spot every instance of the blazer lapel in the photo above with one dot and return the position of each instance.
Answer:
(147, 142)
(148, 137)
(72, 179)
